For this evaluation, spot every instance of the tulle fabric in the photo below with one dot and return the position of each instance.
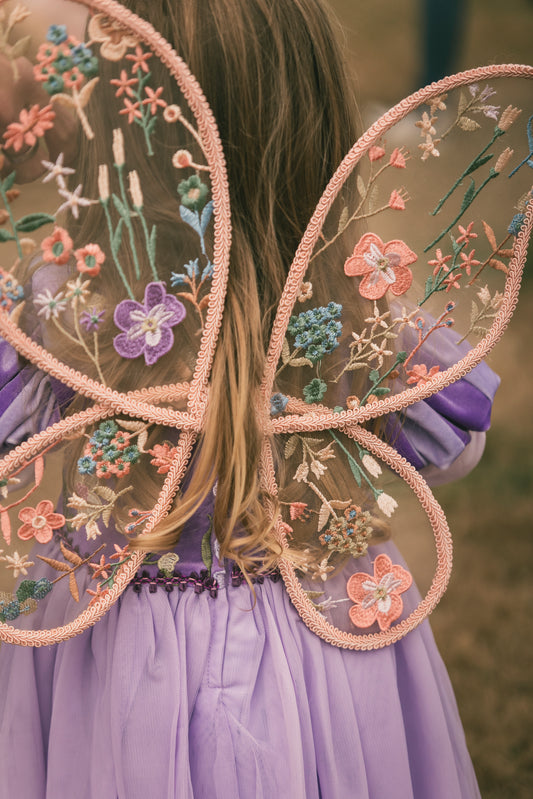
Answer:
(184, 696)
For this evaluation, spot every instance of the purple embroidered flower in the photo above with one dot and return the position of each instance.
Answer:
(91, 319)
(148, 328)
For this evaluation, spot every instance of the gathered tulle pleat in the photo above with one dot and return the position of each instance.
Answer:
(182, 696)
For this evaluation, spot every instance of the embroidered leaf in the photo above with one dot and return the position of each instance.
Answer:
(465, 123)
(206, 216)
(73, 587)
(5, 235)
(373, 198)
(6, 526)
(323, 516)
(153, 239)
(191, 218)
(373, 376)
(301, 362)
(204, 302)
(314, 594)
(85, 93)
(20, 47)
(135, 427)
(355, 365)
(17, 311)
(479, 331)
(207, 555)
(64, 99)
(38, 470)
(478, 162)
(117, 236)
(379, 392)
(489, 233)
(290, 446)
(55, 564)
(106, 515)
(470, 193)
(473, 313)
(121, 208)
(313, 442)
(9, 181)
(32, 222)
(463, 102)
(356, 471)
(142, 439)
(339, 503)
(187, 296)
(361, 186)
(343, 219)
(72, 557)
(285, 351)
(496, 264)
(105, 492)
(429, 285)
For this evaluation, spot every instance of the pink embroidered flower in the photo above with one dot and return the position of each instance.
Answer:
(299, 510)
(89, 259)
(382, 266)
(466, 235)
(153, 99)
(139, 60)
(57, 247)
(452, 281)
(162, 457)
(40, 522)
(378, 598)
(398, 158)
(376, 152)
(440, 261)
(73, 78)
(172, 113)
(397, 199)
(468, 261)
(419, 373)
(132, 110)
(32, 124)
(124, 84)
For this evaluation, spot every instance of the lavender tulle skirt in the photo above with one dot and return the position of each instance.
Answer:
(181, 695)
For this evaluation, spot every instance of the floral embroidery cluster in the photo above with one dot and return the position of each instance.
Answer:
(70, 72)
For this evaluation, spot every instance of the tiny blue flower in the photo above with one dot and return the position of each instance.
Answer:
(108, 428)
(516, 224)
(177, 280)
(86, 465)
(88, 66)
(208, 271)
(54, 84)
(57, 34)
(80, 52)
(131, 454)
(63, 63)
(278, 403)
(11, 610)
(41, 588)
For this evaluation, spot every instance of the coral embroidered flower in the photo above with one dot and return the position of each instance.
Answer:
(299, 510)
(398, 199)
(377, 597)
(89, 259)
(162, 457)
(124, 84)
(466, 234)
(419, 374)
(440, 261)
(181, 159)
(57, 247)
(40, 522)
(172, 113)
(153, 99)
(139, 59)
(132, 110)
(148, 328)
(468, 261)
(398, 158)
(376, 152)
(382, 266)
(33, 123)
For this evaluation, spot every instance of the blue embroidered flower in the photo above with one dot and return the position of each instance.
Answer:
(278, 403)
(316, 331)
(193, 270)
(10, 610)
(86, 465)
(81, 52)
(88, 66)
(63, 63)
(54, 85)
(131, 454)
(57, 34)
(516, 224)
(42, 588)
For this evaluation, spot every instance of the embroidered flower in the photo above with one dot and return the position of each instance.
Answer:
(91, 320)
(440, 261)
(77, 291)
(348, 535)
(398, 158)
(429, 148)
(56, 171)
(39, 522)
(114, 39)
(181, 159)
(382, 266)
(321, 570)
(452, 281)
(466, 234)
(377, 597)
(172, 113)
(153, 99)
(398, 199)
(133, 110)
(306, 291)
(18, 563)
(419, 374)
(50, 306)
(74, 201)
(193, 193)
(299, 510)
(124, 84)
(317, 330)
(278, 403)
(32, 125)
(437, 103)
(57, 247)
(148, 328)
(426, 125)
(139, 59)
(315, 390)
(386, 503)
(376, 152)
(100, 568)
(468, 261)
(89, 259)
(57, 34)
(379, 352)
(515, 226)
(371, 465)
(162, 457)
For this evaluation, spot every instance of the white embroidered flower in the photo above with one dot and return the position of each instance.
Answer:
(301, 472)
(428, 148)
(318, 469)
(103, 182)
(73, 201)
(371, 465)
(381, 264)
(50, 306)
(322, 570)
(91, 529)
(378, 318)
(118, 147)
(380, 593)
(56, 171)
(167, 562)
(426, 125)
(405, 319)
(379, 352)
(386, 504)
(135, 189)
(77, 290)
(18, 563)
(149, 323)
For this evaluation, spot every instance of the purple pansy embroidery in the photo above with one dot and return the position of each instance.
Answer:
(148, 328)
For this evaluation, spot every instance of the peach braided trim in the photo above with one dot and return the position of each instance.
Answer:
(129, 404)
(305, 249)
(443, 545)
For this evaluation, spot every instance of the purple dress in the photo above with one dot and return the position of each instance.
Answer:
(180, 694)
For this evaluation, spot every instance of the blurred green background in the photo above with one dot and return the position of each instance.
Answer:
(483, 625)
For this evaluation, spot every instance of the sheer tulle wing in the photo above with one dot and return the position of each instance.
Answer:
(405, 278)
(115, 236)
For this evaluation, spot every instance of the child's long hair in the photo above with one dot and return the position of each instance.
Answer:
(273, 75)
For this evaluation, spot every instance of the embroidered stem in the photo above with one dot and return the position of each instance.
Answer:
(87, 129)
(491, 256)
(354, 466)
(94, 357)
(114, 248)
(127, 218)
(400, 358)
(421, 339)
(79, 342)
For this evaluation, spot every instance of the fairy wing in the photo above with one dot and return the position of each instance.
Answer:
(115, 236)
(406, 277)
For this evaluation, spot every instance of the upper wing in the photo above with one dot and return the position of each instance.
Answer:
(406, 277)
